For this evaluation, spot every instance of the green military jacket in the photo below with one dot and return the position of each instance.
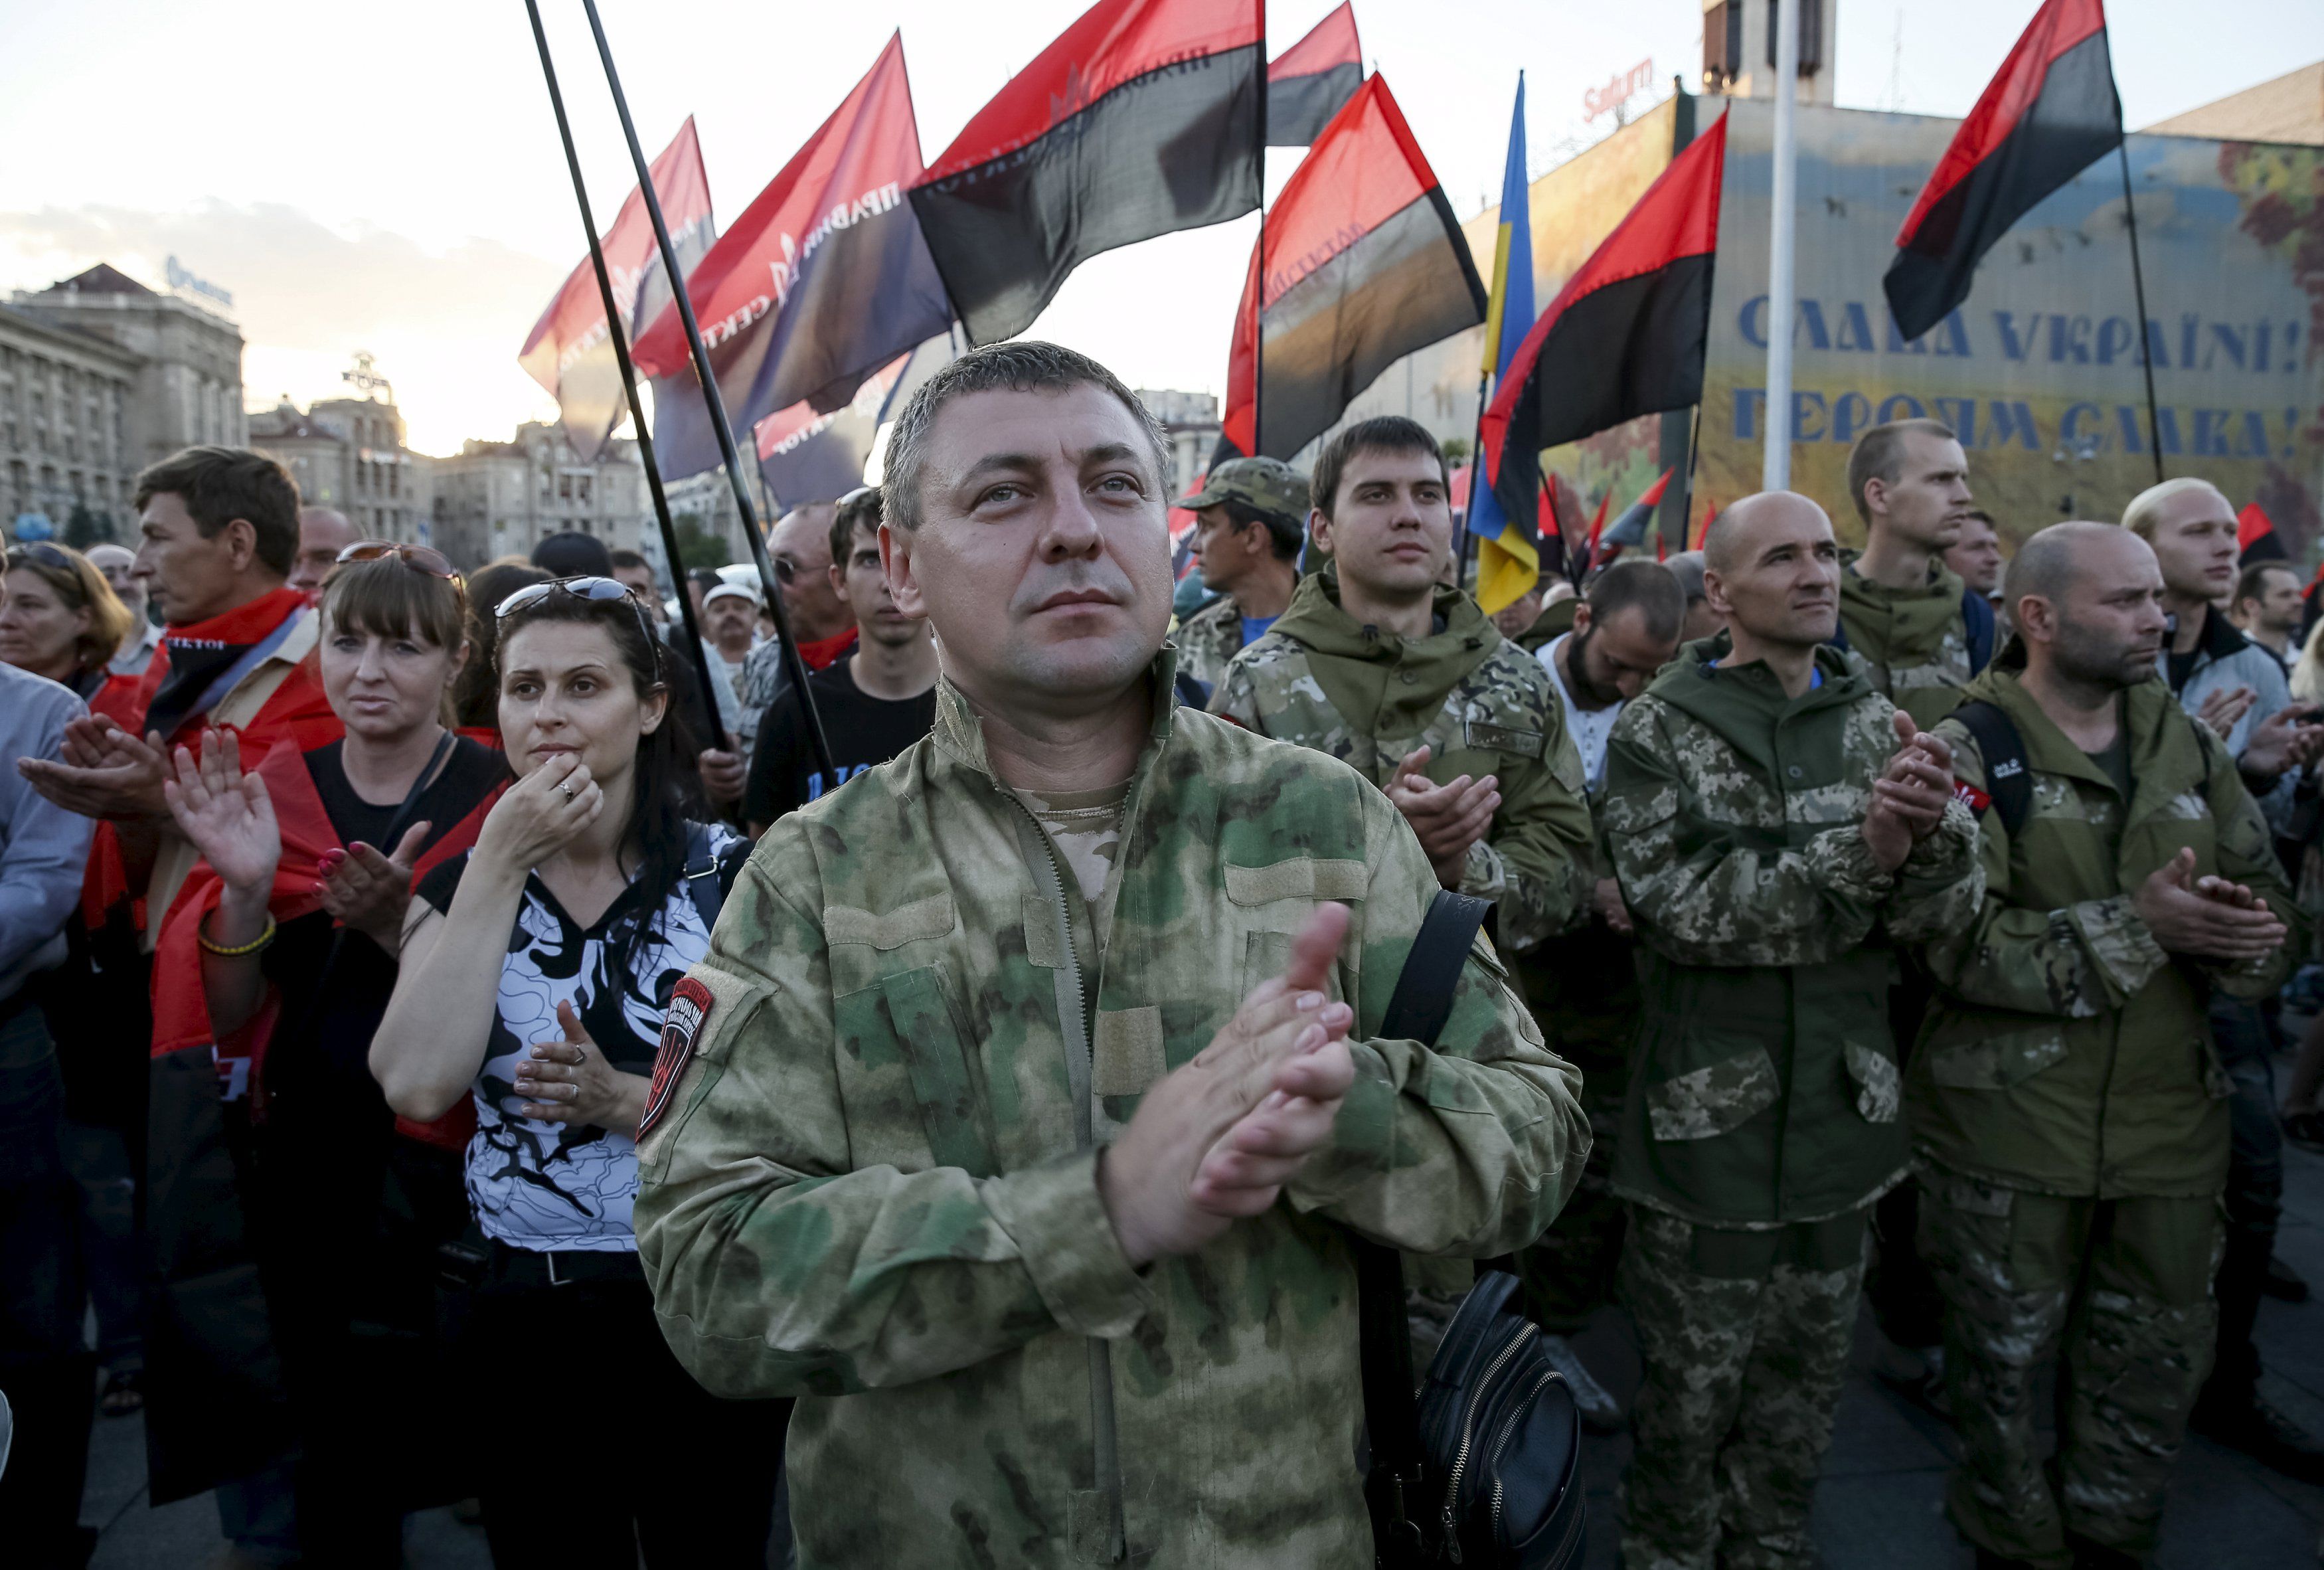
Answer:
(873, 1184)
(1763, 1090)
(2066, 1052)
(1481, 704)
(1912, 642)
(1208, 640)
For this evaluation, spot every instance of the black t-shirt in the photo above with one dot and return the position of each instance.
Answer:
(332, 1006)
(863, 731)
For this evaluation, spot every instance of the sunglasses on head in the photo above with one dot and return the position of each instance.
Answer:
(41, 551)
(600, 590)
(419, 558)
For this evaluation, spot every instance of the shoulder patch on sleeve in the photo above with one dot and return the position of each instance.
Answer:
(689, 1010)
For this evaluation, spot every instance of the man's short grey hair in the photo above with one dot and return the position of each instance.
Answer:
(1021, 366)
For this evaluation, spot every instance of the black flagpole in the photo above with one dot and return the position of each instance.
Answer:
(629, 379)
(1476, 483)
(1686, 495)
(2138, 275)
(794, 664)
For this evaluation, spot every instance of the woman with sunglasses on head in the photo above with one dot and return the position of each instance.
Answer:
(536, 970)
(63, 621)
(273, 967)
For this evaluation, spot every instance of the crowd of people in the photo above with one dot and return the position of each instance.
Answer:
(463, 1040)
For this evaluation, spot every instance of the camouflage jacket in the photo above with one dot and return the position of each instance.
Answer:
(1764, 1086)
(1208, 640)
(871, 1181)
(2066, 1052)
(1912, 642)
(1481, 705)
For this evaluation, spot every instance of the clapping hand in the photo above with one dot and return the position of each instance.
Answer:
(1449, 818)
(368, 893)
(2225, 707)
(2206, 918)
(1908, 799)
(101, 771)
(226, 814)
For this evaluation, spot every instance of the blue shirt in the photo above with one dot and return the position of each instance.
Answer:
(1254, 628)
(43, 848)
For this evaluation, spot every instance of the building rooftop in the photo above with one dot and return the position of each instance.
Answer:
(102, 279)
(2289, 108)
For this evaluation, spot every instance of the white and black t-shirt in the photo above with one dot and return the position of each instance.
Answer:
(543, 1186)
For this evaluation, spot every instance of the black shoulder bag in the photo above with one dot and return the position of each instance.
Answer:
(1483, 1466)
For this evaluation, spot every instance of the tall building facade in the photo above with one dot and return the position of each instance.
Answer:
(348, 453)
(1190, 426)
(99, 377)
(499, 498)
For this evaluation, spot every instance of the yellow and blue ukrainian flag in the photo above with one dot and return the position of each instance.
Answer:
(1508, 561)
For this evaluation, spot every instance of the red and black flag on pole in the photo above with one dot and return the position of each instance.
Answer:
(1362, 264)
(2048, 115)
(570, 353)
(823, 281)
(1141, 119)
(1624, 337)
(1311, 80)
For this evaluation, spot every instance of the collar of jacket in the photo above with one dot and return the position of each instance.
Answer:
(1722, 695)
(1899, 626)
(2218, 640)
(1554, 622)
(959, 734)
(1353, 662)
(2150, 713)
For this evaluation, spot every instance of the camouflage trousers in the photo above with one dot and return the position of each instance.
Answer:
(1569, 1272)
(1744, 1335)
(2120, 1291)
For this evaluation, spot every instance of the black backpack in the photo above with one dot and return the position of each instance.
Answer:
(2008, 783)
(1484, 1467)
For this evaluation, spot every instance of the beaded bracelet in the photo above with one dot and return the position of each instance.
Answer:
(202, 937)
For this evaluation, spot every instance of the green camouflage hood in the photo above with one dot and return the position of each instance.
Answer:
(1356, 679)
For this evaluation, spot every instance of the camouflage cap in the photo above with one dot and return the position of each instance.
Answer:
(1266, 485)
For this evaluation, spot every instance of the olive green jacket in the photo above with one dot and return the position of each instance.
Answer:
(2066, 1052)
(1482, 705)
(1912, 642)
(1763, 1090)
(873, 1185)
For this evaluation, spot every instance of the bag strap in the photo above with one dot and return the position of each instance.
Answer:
(1416, 1011)
(703, 885)
(2007, 782)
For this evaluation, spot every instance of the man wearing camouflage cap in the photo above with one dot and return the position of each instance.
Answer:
(1016, 1118)
(1251, 518)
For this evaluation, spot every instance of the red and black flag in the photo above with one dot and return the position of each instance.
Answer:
(1628, 532)
(570, 353)
(1624, 337)
(1362, 264)
(1141, 119)
(2256, 539)
(1309, 82)
(805, 455)
(2050, 113)
(822, 281)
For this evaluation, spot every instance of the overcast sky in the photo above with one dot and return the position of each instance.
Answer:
(388, 178)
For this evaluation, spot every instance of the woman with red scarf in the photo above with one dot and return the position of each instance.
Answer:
(295, 1278)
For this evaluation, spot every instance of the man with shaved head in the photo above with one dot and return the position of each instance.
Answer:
(2063, 1094)
(323, 534)
(1777, 827)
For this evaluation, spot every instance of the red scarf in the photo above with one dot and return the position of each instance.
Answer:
(820, 654)
(182, 1016)
(297, 711)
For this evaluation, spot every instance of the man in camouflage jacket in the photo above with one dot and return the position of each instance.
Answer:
(1775, 826)
(1009, 1125)
(1411, 685)
(1250, 518)
(2065, 1091)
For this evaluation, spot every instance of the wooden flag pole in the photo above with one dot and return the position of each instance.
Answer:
(629, 375)
(794, 663)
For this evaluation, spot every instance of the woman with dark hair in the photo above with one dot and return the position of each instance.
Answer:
(537, 969)
(63, 621)
(282, 1220)
(477, 695)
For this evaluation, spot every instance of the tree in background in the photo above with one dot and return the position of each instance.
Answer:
(85, 528)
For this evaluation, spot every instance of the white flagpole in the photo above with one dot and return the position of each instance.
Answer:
(1776, 464)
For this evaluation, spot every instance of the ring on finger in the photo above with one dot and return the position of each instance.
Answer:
(566, 790)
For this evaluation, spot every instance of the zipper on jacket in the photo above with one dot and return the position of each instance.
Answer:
(1073, 1021)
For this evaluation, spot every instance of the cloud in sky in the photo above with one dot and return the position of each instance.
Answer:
(308, 296)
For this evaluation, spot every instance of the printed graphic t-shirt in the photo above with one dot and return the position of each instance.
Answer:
(544, 1186)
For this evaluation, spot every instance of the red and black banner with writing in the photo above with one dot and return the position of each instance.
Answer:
(2048, 115)
(1360, 263)
(1141, 119)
